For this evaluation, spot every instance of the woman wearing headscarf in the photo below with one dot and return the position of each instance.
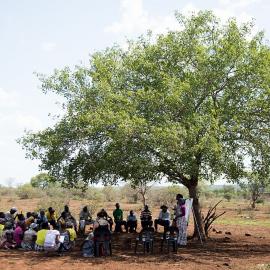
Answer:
(180, 212)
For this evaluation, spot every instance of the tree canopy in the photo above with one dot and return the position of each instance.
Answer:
(42, 180)
(187, 105)
(190, 104)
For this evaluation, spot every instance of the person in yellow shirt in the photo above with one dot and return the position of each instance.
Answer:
(72, 233)
(51, 216)
(2, 223)
(41, 235)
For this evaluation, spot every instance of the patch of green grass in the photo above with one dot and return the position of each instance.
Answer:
(262, 267)
(244, 222)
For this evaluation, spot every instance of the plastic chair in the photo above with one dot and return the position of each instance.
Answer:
(147, 240)
(170, 239)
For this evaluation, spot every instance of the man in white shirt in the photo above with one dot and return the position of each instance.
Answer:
(163, 219)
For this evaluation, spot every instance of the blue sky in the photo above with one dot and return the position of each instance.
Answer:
(39, 36)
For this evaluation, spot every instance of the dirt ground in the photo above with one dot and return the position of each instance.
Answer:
(231, 248)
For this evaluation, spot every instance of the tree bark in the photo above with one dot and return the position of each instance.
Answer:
(193, 193)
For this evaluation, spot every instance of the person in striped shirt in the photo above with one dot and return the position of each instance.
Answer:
(146, 218)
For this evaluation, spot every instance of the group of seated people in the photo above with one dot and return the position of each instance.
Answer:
(37, 231)
(45, 231)
(131, 223)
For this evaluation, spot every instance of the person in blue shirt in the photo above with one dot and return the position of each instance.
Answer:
(131, 222)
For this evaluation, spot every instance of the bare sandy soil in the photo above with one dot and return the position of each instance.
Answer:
(221, 251)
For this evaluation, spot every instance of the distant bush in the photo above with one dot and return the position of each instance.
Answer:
(111, 194)
(26, 191)
(165, 195)
(7, 191)
(129, 194)
(94, 194)
(260, 201)
(58, 192)
(227, 196)
(57, 203)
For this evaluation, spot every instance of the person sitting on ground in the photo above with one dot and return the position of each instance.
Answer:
(146, 219)
(7, 239)
(29, 220)
(2, 223)
(69, 217)
(88, 246)
(61, 220)
(51, 217)
(85, 218)
(64, 239)
(52, 241)
(163, 218)
(41, 235)
(72, 233)
(18, 233)
(131, 222)
(30, 237)
(118, 219)
(20, 218)
(42, 219)
(11, 215)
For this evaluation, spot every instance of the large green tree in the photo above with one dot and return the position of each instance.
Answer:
(188, 105)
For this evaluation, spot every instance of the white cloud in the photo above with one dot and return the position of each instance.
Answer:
(237, 9)
(27, 121)
(135, 19)
(238, 4)
(8, 99)
(188, 9)
(19, 121)
(48, 46)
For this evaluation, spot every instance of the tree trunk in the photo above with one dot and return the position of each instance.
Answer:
(198, 223)
(254, 198)
(143, 199)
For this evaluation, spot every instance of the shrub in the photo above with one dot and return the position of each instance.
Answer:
(227, 196)
(260, 201)
(129, 194)
(165, 195)
(94, 194)
(7, 191)
(57, 203)
(110, 194)
(26, 191)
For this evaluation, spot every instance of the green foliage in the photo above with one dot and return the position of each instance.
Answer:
(42, 180)
(190, 105)
(254, 184)
(165, 195)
